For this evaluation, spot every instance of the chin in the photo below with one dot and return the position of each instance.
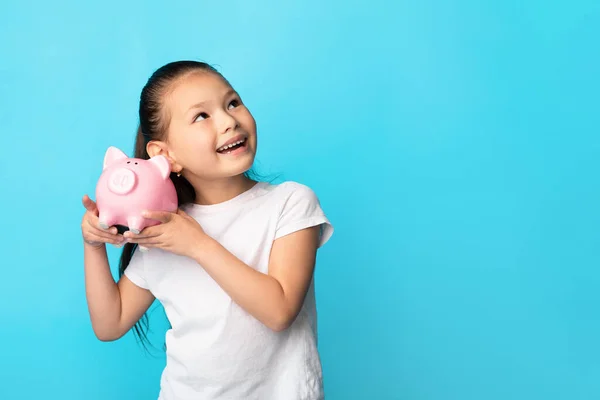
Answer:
(245, 167)
(239, 166)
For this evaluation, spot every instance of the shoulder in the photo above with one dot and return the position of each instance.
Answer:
(290, 193)
(297, 198)
(299, 208)
(294, 189)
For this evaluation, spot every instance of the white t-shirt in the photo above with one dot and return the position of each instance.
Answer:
(215, 349)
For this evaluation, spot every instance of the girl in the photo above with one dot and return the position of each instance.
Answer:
(233, 267)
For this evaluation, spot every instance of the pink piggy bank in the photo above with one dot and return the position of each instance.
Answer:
(129, 186)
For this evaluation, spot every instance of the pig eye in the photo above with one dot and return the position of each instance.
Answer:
(135, 163)
(128, 162)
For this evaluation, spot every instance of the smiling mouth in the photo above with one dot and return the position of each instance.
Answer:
(233, 146)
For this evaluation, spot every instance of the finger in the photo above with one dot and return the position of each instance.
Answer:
(111, 233)
(95, 224)
(145, 242)
(102, 238)
(89, 204)
(161, 216)
(148, 232)
(185, 215)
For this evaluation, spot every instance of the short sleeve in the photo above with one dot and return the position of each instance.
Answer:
(302, 209)
(135, 270)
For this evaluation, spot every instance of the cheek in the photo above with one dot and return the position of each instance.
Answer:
(247, 121)
(193, 147)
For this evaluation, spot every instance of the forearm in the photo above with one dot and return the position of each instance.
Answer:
(102, 293)
(259, 294)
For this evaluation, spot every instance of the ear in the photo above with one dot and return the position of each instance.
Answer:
(162, 164)
(157, 148)
(112, 155)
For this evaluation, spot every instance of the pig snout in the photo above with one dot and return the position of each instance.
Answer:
(122, 181)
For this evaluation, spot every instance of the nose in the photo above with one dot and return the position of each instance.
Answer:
(227, 122)
(122, 181)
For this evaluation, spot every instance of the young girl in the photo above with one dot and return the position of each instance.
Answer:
(233, 267)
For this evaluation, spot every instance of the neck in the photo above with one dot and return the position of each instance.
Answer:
(218, 191)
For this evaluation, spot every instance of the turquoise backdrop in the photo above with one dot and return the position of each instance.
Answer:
(454, 145)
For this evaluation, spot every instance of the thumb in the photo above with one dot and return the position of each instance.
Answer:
(89, 204)
(184, 214)
(161, 216)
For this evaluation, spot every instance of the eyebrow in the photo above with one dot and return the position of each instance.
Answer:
(202, 103)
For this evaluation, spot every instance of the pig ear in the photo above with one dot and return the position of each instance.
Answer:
(112, 155)
(162, 164)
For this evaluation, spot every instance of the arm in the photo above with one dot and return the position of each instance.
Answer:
(114, 308)
(274, 299)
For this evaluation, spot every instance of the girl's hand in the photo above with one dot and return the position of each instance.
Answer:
(92, 233)
(178, 233)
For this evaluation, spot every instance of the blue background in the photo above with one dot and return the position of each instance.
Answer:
(454, 145)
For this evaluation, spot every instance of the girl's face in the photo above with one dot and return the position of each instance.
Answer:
(211, 135)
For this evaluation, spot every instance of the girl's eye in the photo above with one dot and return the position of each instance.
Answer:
(201, 116)
(233, 104)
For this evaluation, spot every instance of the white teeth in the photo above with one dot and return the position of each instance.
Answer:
(222, 148)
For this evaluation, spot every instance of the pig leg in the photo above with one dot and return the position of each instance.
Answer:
(136, 225)
(106, 220)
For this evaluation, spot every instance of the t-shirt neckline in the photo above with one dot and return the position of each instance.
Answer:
(227, 204)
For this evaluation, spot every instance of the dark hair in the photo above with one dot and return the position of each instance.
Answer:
(154, 121)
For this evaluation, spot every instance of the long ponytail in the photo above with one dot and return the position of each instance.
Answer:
(153, 126)
(185, 194)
